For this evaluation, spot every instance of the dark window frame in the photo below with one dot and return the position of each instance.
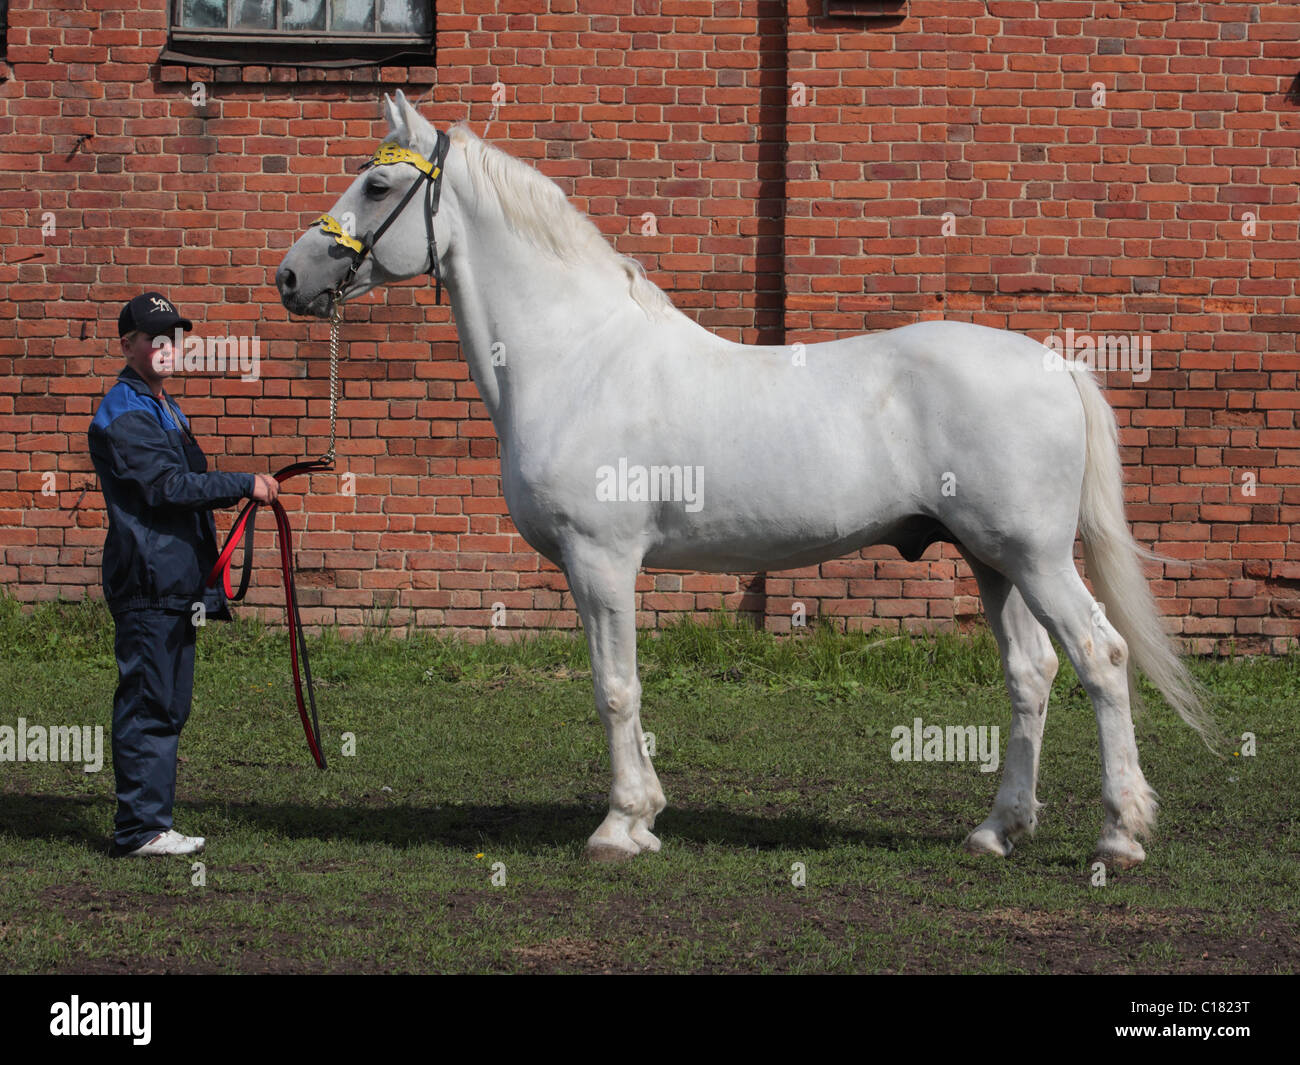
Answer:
(866, 10)
(297, 48)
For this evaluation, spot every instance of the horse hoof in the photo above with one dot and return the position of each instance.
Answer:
(608, 853)
(1120, 859)
(1119, 862)
(987, 841)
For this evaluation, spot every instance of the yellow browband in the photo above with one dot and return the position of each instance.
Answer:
(387, 154)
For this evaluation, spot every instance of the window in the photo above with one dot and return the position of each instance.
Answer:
(334, 19)
(307, 31)
(866, 9)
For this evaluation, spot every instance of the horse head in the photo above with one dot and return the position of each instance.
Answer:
(386, 227)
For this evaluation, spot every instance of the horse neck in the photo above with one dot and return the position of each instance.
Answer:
(527, 321)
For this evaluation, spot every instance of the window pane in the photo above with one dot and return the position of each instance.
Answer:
(404, 16)
(255, 14)
(204, 14)
(352, 15)
(303, 15)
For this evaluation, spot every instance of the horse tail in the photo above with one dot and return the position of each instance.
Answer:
(1114, 563)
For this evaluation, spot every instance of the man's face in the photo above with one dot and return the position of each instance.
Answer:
(153, 362)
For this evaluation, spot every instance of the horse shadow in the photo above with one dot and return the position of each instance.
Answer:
(533, 828)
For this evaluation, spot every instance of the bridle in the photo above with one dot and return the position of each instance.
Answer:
(387, 154)
(430, 179)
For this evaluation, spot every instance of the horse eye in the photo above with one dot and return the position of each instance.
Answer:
(376, 190)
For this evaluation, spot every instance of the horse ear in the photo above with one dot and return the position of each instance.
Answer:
(396, 125)
(420, 133)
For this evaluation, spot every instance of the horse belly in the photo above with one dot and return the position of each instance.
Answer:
(773, 519)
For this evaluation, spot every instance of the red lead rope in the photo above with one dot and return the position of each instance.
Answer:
(297, 638)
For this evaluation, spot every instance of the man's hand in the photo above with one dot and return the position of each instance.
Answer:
(265, 488)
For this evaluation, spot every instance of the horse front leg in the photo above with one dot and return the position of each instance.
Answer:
(604, 587)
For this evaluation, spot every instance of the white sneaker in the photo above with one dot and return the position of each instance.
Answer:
(169, 842)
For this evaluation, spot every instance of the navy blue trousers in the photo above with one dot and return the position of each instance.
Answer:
(155, 683)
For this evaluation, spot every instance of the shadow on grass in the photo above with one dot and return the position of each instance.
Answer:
(537, 828)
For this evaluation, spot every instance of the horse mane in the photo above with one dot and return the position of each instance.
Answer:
(536, 208)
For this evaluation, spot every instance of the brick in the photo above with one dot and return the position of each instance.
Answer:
(1116, 221)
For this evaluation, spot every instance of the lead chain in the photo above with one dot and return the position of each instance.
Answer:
(336, 317)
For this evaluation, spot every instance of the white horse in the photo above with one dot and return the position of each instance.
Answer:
(631, 436)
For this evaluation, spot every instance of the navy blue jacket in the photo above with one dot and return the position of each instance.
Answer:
(162, 540)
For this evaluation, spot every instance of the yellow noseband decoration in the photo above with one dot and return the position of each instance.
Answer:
(329, 224)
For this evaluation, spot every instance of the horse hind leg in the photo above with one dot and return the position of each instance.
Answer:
(1029, 664)
(604, 590)
(1061, 601)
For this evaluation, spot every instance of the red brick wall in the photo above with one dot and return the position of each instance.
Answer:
(800, 170)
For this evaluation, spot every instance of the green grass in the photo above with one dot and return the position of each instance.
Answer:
(772, 752)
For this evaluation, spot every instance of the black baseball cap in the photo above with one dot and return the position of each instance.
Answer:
(151, 313)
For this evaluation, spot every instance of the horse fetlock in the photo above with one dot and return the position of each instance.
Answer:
(1023, 819)
(1014, 815)
(632, 803)
(1131, 806)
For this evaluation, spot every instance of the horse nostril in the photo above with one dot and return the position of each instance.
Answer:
(285, 280)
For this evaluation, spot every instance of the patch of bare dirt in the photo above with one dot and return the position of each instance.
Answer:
(768, 931)
(564, 952)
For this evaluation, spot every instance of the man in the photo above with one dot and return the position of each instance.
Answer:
(160, 547)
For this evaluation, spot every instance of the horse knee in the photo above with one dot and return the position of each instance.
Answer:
(1102, 663)
(619, 698)
(1107, 648)
(1117, 651)
(1030, 672)
(1045, 662)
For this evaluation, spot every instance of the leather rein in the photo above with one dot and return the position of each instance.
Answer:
(387, 154)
